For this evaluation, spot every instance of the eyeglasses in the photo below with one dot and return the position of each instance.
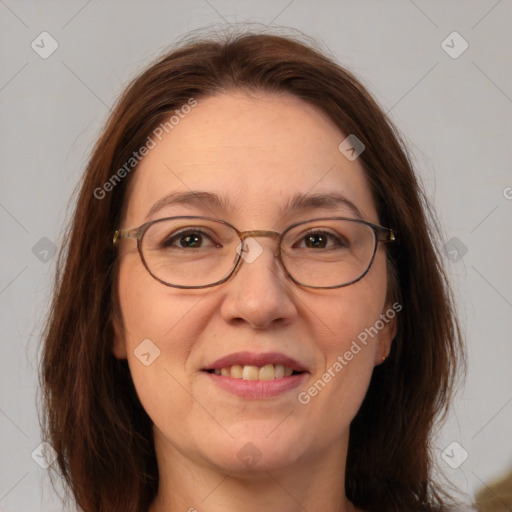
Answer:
(199, 252)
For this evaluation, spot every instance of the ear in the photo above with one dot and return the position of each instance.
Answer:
(119, 341)
(387, 333)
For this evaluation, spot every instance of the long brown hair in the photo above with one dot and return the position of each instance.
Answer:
(91, 414)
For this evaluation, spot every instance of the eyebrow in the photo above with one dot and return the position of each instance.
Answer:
(210, 200)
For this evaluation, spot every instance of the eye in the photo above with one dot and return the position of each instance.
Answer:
(188, 239)
(317, 239)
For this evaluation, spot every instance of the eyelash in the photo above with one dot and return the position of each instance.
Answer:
(168, 242)
(317, 232)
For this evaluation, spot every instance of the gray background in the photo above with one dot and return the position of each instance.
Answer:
(454, 112)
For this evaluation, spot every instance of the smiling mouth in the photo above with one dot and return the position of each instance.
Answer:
(250, 372)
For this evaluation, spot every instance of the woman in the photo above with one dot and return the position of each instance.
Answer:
(271, 328)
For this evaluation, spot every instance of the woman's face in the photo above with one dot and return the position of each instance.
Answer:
(257, 153)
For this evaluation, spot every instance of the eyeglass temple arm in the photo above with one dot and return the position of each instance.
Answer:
(120, 234)
(390, 236)
(385, 235)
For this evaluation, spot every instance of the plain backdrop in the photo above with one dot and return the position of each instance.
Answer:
(453, 104)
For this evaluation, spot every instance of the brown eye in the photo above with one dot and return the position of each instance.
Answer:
(188, 239)
(322, 239)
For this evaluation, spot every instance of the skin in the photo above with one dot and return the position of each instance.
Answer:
(258, 150)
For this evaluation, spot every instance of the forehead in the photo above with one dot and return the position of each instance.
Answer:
(256, 150)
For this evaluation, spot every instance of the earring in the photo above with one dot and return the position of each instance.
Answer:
(383, 358)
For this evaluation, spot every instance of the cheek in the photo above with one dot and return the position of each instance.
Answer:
(168, 316)
(335, 393)
(161, 326)
(347, 317)
(346, 341)
(141, 303)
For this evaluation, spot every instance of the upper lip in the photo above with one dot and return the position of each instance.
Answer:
(250, 358)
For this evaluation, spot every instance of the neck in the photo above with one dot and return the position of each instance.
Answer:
(197, 486)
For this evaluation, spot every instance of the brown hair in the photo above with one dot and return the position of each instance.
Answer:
(91, 414)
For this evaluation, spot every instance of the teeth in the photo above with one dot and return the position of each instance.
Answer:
(251, 372)
(279, 369)
(267, 372)
(236, 371)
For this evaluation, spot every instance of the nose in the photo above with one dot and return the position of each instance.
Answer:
(259, 293)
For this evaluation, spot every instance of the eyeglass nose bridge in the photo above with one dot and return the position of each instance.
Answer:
(244, 235)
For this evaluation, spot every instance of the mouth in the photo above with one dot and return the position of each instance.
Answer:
(257, 376)
(252, 372)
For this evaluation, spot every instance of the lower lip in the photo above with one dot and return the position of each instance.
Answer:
(257, 388)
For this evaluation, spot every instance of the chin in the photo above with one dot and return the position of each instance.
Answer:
(252, 454)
